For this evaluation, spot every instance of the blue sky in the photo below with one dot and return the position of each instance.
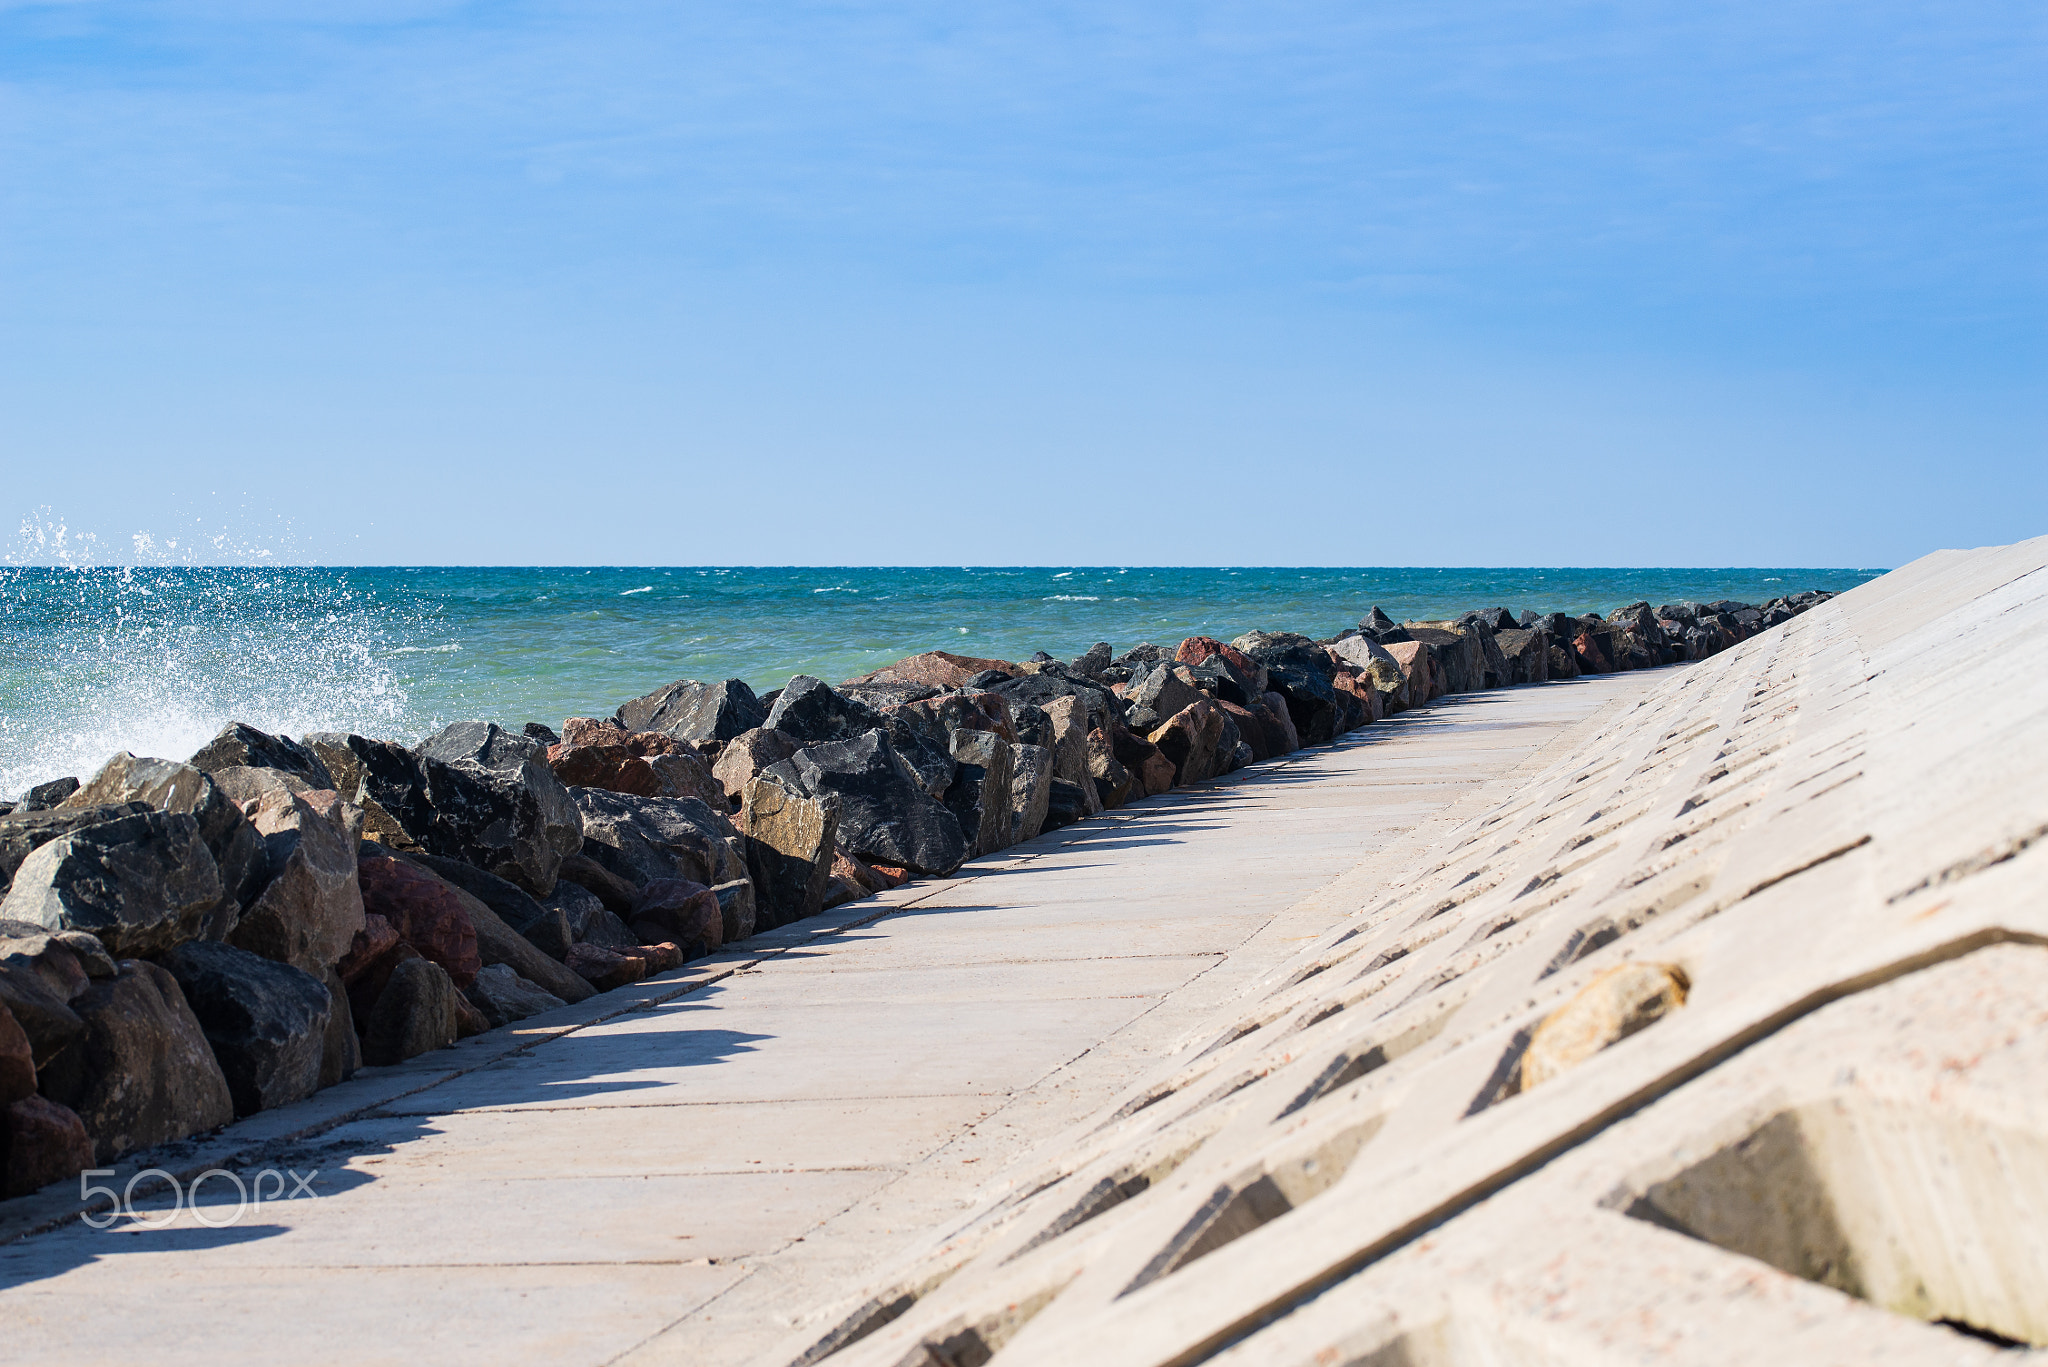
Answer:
(1191, 283)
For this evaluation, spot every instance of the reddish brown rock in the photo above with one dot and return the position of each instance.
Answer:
(1592, 659)
(1154, 772)
(1251, 727)
(605, 969)
(1280, 732)
(603, 754)
(678, 910)
(934, 669)
(661, 957)
(468, 1020)
(896, 876)
(1195, 649)
(1425, 680)
(17, 1060)
(1369, 707)
(373, 942)
(427, 913)
(43, 1143)
(615, 892)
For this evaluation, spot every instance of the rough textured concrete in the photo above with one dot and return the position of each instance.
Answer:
(1813, 1131)
(703, 1168)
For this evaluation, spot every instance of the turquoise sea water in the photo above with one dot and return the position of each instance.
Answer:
(156, 660)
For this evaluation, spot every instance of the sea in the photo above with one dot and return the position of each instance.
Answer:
(96, 659)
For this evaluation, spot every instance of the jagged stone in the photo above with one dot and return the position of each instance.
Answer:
(43, 1142)
(640, 839)
(244, 747)
(790, 841)
(310, 910)
(595, 754)
(142, 1072)
(1112, 781)
(809, 711)
(341, 1051)
(1162, 690)
(418, 1010)
(1527, 651)
(142, 883)
(504, 997)
(1300, 671)
(885, 814)
(696, 712)
(746, 755)
(1030, 790)
(1189, 740)
(509, 814)
(980, 798)
(605, 969)
(44, 796)
(938, 670)
(428, 913)
(266, 1021)
(370, 774)
(22, 833)
(168, 786)
(680, 912)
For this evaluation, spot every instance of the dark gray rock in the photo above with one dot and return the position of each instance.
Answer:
(141, 1072)
(697, 712)
(504, 997)
(341, 1052)
(1157, 694)
(1033, 725)
(386, 780)
(1301, 672)
(143, 883)
(1052, 683)
(546, 735)
(44, 796)
(1382, 628)
(885, 815)
(811, 712)
(1094, 660)
(1065, 803)
(244, 747)
(266, 1021)
(509, 814)
(1527, 651)
(309, 912)
(22, 833)
(883, 694)
(980, 798)
(168, 786)
(738, 916)
(414, 1013)
(39, 997)
(640, 839)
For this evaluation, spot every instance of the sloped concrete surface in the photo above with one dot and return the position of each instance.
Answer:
(1807, 1125)
(709, 1166)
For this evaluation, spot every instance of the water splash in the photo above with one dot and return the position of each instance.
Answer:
(156, 658)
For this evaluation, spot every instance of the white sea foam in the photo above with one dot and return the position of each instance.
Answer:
(157, 658)
(451, 648)
(628, 593)
(1071, 598)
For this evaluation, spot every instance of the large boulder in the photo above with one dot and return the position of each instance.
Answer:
(981, 798)
(509, 814)
(142, 1073)
(1067, 803)
(511, 927)
(1242, 679)
(1459, 656)
(168, 786)
(385, 780)
(40, 1143)
(1030, 790)
(746, 755)
(1300, 671)
(309, 912)
(44, 796)
(504, 997)
(935, 669)
(1051, 682)
(679, 912)
(428, 914)
(1419, 663)
(419, 1009)
(1373, 660)
(244, 747)
(142, 883)
(1251, 730)
(885, 814)
(640, 839)
(266, 1021)
(41, 973)
(790, 842)
(594, 754)
(1190, 740)
(1069, 718)
(696, 712)
(1114, 783)
(1527, 651)
(1162, 690)
(809, 711)
(22, 833)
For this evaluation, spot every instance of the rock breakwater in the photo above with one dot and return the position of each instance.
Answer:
(186, 942)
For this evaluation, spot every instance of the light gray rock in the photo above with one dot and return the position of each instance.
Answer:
(415, 1012)
(168, 786)
(1030, 790)
(309, 912)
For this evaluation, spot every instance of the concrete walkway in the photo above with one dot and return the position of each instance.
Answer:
(689, 1171)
